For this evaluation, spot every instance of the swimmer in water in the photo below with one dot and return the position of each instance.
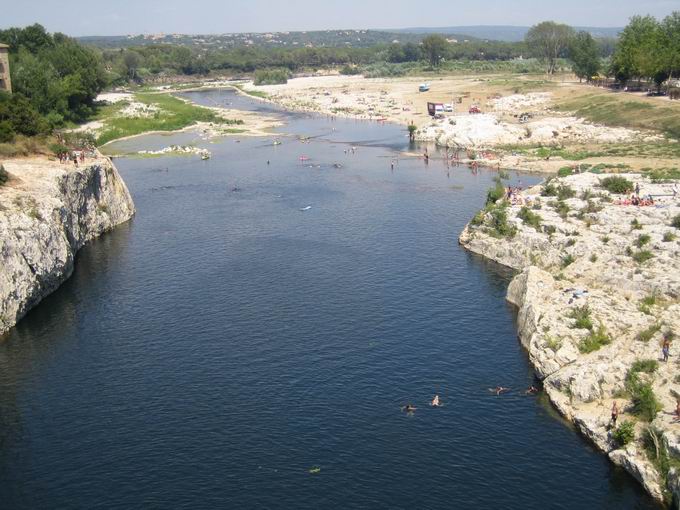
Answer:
(408, 408)
(498, 390)
(531, 390)
(435, 401)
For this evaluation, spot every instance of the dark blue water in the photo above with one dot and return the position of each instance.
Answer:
(212, 351)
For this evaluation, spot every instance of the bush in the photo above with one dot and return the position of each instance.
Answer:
(4, 176)
(624, 433)
(349, 70)
(565, 171)
(530, 218)
(642, 256)
(669, 237)
(648, 366)
(499, 223)
(595, 340)
(617, 184)
(635, 224)
(645, 403)
(495, 194)
(567, 260)
(565, 191)
(642, 240)
(581, 316)
(675, 222)
(647, 334)
(561, 208)
(271, 76)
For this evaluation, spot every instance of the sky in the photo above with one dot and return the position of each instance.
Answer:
(121, 17)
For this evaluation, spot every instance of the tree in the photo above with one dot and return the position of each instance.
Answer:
(585, 56)
(671, 28)
(549, 41)
(632, 58)
(435, 47)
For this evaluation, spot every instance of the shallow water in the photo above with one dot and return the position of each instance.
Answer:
(220, 345)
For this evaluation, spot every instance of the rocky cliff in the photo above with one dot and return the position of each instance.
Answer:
(48, 211)
(598, 290)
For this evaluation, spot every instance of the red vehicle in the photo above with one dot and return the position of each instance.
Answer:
(474, 109)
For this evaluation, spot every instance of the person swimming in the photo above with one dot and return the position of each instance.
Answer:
(435, 401)
(408, 408)
(531, 390)
(498, 390)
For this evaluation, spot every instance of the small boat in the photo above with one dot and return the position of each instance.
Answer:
(205, 156)
(276, 142)
(306, 208)
(303, 158)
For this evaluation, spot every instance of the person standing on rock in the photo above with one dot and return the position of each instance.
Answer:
(615, 413)
(666, 349)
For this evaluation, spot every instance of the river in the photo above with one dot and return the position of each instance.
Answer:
(247, 340)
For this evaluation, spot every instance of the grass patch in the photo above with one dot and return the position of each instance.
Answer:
(530, 218)
(675, 222)
(595, 340)
(642, 240)
(567, 260)
(642, 256)
(4, 176)
(647, 334)
(173, 114)
(582, 318)
(669, 237)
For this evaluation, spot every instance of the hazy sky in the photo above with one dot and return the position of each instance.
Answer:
(117, 17)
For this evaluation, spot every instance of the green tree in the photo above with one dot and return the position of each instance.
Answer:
(549, 41)
(585, 56)
(435, 47)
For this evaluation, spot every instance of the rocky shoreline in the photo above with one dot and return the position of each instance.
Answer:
(48, 211)
(598, 288)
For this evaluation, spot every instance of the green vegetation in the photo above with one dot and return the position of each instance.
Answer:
(173, 114)
(55, 81)
(581, 316)
(530, 218)
(657, 452)
(647, 334)
(595, 340)
(645, 403)
(4, 176)
(617, 184)
(647, 366)
(593, 258)
(642, 256)
(271, 76)
(642, 240)
(561, 208)
(499, 226)
(624, 433)
(675, 222)
(567, 260)
(669, 237)
(495, 193)
(635, 224)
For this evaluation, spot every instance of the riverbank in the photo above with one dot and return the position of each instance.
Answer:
(598, 290)
(558, 132)
(48, 211)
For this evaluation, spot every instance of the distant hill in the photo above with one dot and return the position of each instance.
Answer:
(499, 33)
(310, 39)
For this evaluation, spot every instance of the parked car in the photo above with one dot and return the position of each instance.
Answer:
(474, 109)
(448, 107)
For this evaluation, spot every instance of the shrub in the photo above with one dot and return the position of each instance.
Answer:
(587, 194)
(642, 256)
(605, 239)
(565, 171)
(645, 403)
(669, 237)
(499, 222)
(635, 224)
(561, 208)
(675, 222)
(567, 260)
(271, 76)
(581, 316)
(648, 366)
(642, 240)
(593, 258)
(549, 189)
(624, 433)
(647, 334)
(495, 194)
(571, 242)
(549, 229)
(530, 218)
(4, 176)
(617, 184)
(595, 340)
(565, 191)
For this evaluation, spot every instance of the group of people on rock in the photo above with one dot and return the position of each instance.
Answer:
(514, 195)
(75, 156)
